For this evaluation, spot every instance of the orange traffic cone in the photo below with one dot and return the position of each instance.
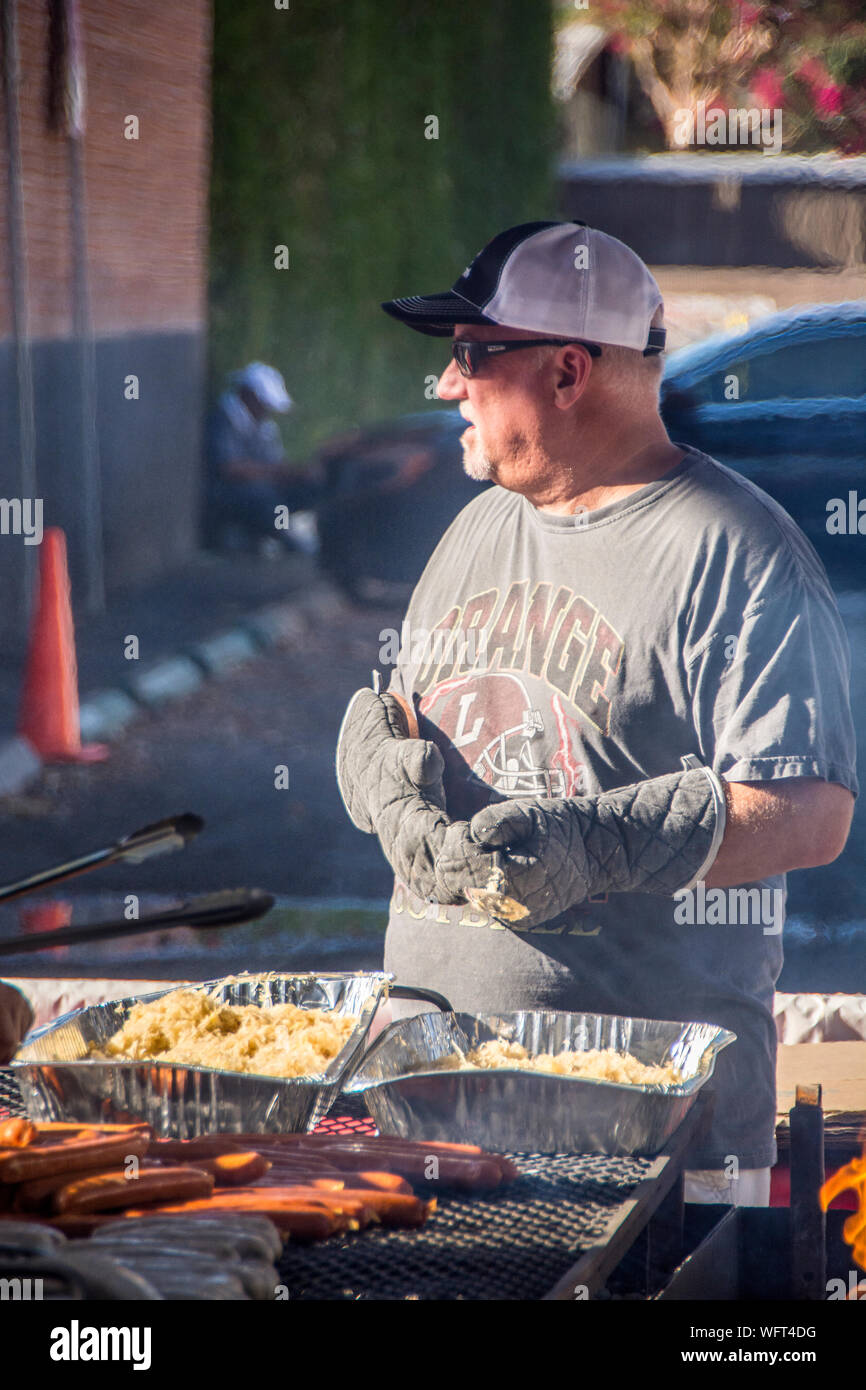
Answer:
(49, 701)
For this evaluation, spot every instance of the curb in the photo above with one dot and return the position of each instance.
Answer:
(20, 765)
(107, 713)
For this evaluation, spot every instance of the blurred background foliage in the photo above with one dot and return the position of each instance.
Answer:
(319, 144)
(806, 57)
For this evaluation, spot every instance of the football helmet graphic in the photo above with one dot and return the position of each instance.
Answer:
(490, 732)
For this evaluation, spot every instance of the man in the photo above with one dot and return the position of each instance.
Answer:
(637, 677)
(16, 1019)
(249, 478)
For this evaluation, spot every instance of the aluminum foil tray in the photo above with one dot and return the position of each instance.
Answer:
(528, 1112)
(182, 1101)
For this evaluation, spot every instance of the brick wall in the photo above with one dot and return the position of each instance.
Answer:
(146, 206)
(146, 199)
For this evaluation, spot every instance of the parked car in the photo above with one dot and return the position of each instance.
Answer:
(390, 491)
(784, 403)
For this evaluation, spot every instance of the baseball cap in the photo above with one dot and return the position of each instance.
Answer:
(266, 384)
(561, 278)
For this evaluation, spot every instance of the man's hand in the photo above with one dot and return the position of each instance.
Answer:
(391, 786)
(656, 836)
(16, 1019)
(377, 762)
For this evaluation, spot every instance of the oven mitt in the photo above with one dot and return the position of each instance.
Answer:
(658, 836)
(391, 786)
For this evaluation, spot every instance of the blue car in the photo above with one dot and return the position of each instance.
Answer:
(784, 403)
(390, 490)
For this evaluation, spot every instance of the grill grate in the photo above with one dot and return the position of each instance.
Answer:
(11, 1100)
(513, 1244)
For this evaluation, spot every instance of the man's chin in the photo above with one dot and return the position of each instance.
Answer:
(477, 466)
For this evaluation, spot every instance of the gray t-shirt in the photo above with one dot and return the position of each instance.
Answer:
(569, 655)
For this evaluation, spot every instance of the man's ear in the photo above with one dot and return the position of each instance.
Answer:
(573, 366)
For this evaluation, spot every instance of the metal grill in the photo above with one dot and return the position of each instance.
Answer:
(11, 1102)
(513, 1244)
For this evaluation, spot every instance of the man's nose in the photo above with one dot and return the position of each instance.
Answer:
(452, 384)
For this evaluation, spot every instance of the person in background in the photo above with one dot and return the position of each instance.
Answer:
(16, 1020)
(248, 470)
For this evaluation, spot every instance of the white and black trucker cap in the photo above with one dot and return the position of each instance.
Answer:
(561, 278)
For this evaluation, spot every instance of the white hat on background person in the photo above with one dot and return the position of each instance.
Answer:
(266, 384)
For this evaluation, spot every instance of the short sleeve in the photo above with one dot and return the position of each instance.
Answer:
(770, 696)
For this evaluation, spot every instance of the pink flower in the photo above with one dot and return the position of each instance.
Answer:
(828, 100)
(812, 71)
(767, 89)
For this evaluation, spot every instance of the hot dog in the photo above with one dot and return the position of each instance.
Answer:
(385, 1182)
(385, 1149)
(37, 1195)
(350, 1204)
(235, 1169)
(17, 1133)
(64, 1225)
(73, 1156)
(362, 1205)
(303, 1221)
(66, 1129)
(253, 1234)
(105, 1191)
(190, 1150)
(449, 1169)
(394, 1208)
(291, 1175)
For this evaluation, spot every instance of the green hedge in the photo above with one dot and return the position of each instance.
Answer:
(318, 144)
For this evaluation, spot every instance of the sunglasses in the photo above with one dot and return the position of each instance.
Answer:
(469, 356)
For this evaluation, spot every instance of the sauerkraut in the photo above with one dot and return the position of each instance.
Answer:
(189, 1026)
(602, 1064)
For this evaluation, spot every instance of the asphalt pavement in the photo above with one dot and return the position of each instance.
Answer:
(200, 598)
(219, 752)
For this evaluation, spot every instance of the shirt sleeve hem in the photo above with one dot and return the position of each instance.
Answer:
(777, 768)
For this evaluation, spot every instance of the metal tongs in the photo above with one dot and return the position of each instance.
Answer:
(163, 837)
(223, 909)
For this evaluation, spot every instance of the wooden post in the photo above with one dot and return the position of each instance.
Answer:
(808, 1222)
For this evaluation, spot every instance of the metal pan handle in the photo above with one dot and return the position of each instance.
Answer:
(424, 996)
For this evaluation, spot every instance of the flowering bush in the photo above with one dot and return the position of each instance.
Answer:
(806, 59)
